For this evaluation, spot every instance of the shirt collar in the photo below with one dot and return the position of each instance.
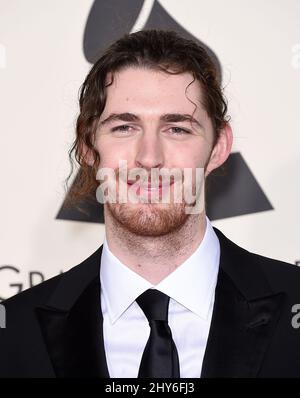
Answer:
(121, 286)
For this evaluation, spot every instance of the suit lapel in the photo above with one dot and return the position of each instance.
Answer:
(72, 323)
(245, 314)
(240, 332)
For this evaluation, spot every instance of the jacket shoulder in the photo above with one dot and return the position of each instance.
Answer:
(34, 295)
(281, 275)
(39, 294)
(251, 267)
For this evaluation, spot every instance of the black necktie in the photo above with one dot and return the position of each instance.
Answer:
(160, 357)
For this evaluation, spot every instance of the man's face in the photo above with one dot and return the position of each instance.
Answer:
(146, 130)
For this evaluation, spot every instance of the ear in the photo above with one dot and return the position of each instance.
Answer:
(221, 150)
(87, 155)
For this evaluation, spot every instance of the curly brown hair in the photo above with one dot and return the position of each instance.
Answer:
(154, 49)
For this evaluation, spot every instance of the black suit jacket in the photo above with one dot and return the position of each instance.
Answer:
(55, 329)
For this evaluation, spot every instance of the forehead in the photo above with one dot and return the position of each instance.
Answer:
(150, 91)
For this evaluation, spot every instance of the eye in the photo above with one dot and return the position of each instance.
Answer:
(123, 128)
(179, 131)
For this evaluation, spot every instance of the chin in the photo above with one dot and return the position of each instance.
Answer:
(149, 219)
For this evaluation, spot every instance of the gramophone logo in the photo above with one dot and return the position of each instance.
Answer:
(233, 194)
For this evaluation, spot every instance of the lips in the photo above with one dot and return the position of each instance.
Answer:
(149, 186)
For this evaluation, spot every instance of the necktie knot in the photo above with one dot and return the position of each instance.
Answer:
(154, 304)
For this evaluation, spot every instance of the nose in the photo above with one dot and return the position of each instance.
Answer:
(150, 152)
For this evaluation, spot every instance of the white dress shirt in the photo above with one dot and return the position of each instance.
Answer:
(191, 288)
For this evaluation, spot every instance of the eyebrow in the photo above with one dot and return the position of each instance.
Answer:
(167, 117)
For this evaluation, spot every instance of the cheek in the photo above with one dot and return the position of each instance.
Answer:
(111, 153)
(190, 155)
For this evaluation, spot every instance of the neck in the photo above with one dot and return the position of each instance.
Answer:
(154, 258)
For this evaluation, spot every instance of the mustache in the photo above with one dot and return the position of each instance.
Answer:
(156, 176)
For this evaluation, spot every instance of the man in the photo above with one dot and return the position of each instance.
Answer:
(166, 295)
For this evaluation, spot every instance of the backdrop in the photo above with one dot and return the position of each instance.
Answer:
(46, 50)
